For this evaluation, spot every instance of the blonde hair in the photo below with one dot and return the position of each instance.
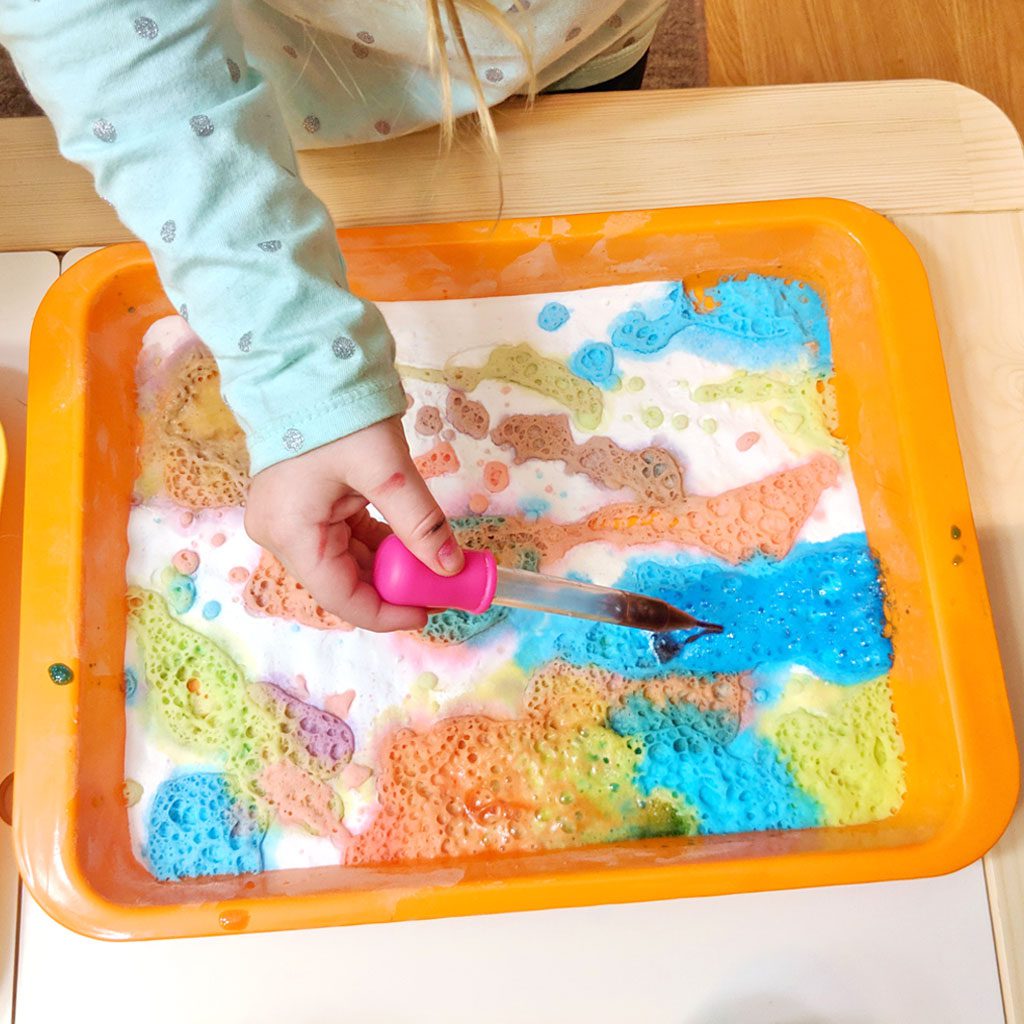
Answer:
(437, 12)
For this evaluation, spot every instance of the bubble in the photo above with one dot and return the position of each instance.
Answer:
(553, 316)
(186, 562)
(60, 673)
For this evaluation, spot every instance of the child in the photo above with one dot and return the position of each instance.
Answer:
(185, 113)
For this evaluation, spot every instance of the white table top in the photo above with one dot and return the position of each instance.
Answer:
(872, 954)
(892, 953)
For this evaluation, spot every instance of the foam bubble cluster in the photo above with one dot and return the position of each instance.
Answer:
(652, 474)
(557, 776)
(523, 365)
(802, 407)
(760, 518)
(755, 322)
(193, 450)
(535, 733)
(466, 416)
(252, 729)
(428, 421)
(595, 361)
(271, 590)
(822, 607)
(198, 828)
(734, 780)
(841, 746)
(441, 460)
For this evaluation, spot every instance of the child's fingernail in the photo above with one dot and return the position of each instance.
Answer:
(449, 555)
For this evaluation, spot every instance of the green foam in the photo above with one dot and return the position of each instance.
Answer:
(842, 747)
(523, 365)
(175, 657)
(455, 627)
(799, 410)
(207, 705)
(653, 417)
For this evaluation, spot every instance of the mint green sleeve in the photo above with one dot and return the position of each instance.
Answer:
(188, 144)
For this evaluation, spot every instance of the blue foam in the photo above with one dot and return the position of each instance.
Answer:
(734, 780)
(595, 361)
(552, 316)
(758, 323)
(181, 592)
(533, 508)
(131, 684)
(196, 828)
(821, 607)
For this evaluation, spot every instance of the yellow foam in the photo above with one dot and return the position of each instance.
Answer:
(841, 744)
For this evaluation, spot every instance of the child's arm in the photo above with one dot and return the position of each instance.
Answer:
(188, 144)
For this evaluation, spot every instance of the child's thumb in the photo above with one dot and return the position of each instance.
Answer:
(404, 500)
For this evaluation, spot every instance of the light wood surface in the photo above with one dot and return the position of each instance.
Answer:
(939, 159)
(765, 42)
(975, 264)
(916, 147)
(24, 279)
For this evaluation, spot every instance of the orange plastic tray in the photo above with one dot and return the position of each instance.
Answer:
(70, 821)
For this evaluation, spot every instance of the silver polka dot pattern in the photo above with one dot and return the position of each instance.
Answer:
(201, 125)
(167, 231)
(234, 71)
(365, 37)
(343, 348)
(146, 28)
(311, 123)
(104, 130)
(292, 439)
(360, 51)
(271, 245)
(245, 342)
(494, 75)
(184, 312)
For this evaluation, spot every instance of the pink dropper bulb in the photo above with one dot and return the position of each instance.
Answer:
(401, 578)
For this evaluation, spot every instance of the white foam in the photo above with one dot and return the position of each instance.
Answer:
(384, 671)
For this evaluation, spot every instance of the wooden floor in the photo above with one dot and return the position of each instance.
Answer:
(979, 43)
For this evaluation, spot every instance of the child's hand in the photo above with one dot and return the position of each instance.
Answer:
(310, 511)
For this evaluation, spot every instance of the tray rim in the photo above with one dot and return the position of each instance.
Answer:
(989, 761)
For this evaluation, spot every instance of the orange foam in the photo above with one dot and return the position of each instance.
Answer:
(270, 590)
(299, 799)
(728, 694)
(495, 476)
(765, 516)
(428, 421)
(466, 416)
(439, 461)
(475, 785)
